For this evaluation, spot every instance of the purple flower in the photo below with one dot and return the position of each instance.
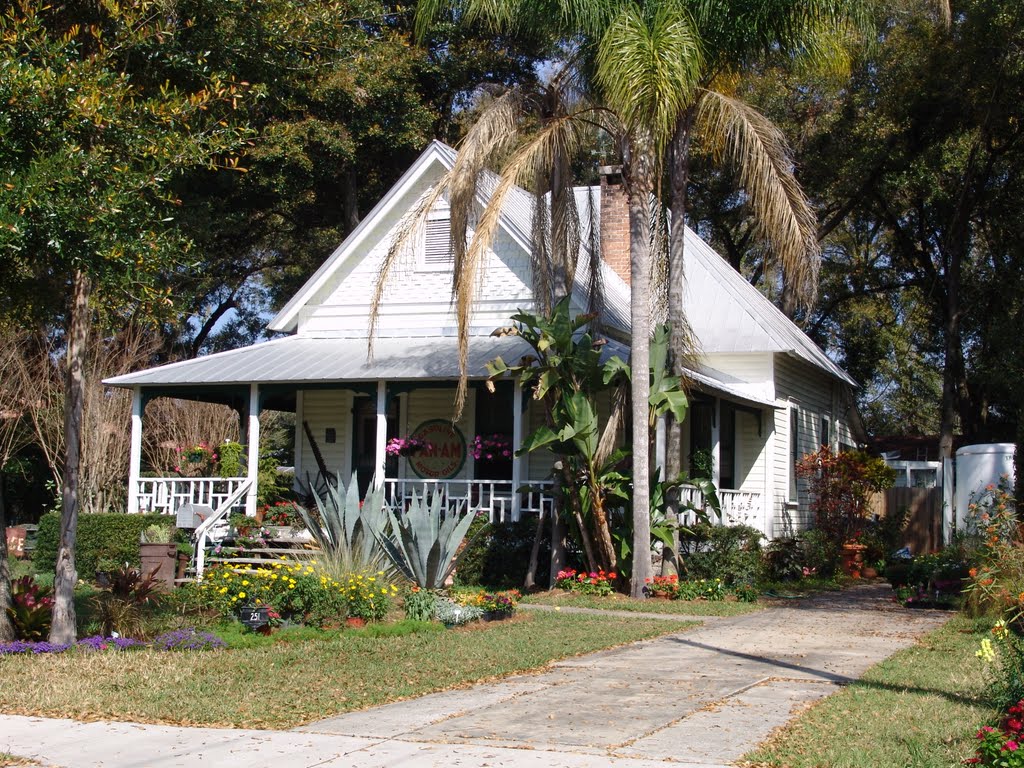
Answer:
(188, 640)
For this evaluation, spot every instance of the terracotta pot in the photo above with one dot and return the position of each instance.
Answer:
(852, 556)
(868, 572)
(355, 621)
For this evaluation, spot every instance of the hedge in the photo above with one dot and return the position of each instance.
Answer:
(498, 555)
(110, 535)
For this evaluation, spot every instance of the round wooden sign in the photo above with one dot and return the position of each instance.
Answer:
(446, 454)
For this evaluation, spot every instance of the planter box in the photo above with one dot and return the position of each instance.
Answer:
(161, 560)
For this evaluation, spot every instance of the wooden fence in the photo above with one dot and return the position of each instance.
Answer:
(923, 532)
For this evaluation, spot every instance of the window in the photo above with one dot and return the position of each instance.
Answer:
(701, 417)
(727, 447)
(826, 432)
(794, 449)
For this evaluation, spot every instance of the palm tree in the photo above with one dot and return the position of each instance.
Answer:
(658, 65)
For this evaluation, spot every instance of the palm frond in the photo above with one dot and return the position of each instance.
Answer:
(559, 136)
(759, 153)
(649, 65)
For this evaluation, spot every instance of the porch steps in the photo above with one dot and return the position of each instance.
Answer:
(249, 558)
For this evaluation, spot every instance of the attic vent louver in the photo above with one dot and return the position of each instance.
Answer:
(437, 252)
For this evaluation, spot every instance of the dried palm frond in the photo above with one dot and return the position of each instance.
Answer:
(758, 151)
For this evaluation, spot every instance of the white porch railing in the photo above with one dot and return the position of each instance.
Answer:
(163, 495)
(491, 496)
(738, 508)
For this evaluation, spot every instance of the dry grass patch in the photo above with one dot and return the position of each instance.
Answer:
(617, 602)
(288, 684)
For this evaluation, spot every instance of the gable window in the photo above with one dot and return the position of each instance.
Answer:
(436, 254)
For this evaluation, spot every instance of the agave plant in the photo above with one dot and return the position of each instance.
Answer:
(348, 530)
(425, 540)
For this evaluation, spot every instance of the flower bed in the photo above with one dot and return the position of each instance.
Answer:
(179, 640)
(672, 588)
(301, 594)
(1002, 747)
(583, 583)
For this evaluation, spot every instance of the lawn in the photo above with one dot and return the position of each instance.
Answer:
(286, 684)
(616, 602)
(919, 708)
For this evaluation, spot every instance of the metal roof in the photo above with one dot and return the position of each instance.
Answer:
(306, 360)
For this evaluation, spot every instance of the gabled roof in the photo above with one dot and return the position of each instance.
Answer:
(516, 218)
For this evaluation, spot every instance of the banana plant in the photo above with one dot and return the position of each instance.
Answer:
(424, 540)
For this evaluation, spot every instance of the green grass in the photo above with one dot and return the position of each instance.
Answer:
(921, 708)
(618, 602)
(285, 684)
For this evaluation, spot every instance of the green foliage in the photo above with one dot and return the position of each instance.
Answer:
(731, 553)
(423, 543)
(232, 459)
(841, 485)
(348, 530)
(119, 608)
(112, 537)
(31, 609)
(498, 555)
(420, 604)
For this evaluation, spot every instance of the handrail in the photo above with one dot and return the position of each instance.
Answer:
(203, 530)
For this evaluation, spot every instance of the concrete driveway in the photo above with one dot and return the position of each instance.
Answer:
(700, 698)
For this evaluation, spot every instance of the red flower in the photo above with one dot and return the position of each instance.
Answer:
(1011, 746)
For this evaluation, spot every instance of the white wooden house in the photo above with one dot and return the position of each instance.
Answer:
(764, 394)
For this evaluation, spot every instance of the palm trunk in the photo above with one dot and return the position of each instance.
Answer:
(679, 178)
(638, 174)
(6, 627)
(63, 629)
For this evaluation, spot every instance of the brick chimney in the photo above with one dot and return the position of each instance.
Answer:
(614, 221)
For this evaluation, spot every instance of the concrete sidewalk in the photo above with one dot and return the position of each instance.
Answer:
(700, 698)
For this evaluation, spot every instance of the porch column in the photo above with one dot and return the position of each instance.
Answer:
(716, 443)
(253, 439)
(517, 440)
(135, 451)
(382, 434)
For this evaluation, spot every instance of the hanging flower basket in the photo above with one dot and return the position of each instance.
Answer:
(406, 446)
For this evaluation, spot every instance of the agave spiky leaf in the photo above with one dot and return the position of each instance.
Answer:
(349, 531)
(424, 540)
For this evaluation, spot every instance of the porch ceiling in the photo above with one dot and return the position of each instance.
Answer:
(305, 360)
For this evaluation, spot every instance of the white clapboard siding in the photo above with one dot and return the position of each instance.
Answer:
(326, 409)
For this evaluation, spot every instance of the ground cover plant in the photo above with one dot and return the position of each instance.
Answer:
(932, 695)
(272, 684)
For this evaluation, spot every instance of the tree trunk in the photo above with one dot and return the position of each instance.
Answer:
(638, 174)
(530, 582)
(558, 533)
(63, 629)
(679, 179)
(6, 627)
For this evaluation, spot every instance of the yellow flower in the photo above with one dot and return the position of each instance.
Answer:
(241, 594)
(223, 590)
(245, 583)
(291, 586)
(985, 653)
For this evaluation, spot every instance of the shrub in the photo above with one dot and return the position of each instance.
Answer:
(497, 555)
(109, 536)
(420, 604)
(31, 609)
(119, 608)
(303, 594)
(841, 485)
(820, 552)
(451, 614)
(489, 602)
(731, 553)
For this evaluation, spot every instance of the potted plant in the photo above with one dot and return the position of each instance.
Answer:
(158, 554)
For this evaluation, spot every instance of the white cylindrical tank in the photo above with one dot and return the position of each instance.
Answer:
(977, 467)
